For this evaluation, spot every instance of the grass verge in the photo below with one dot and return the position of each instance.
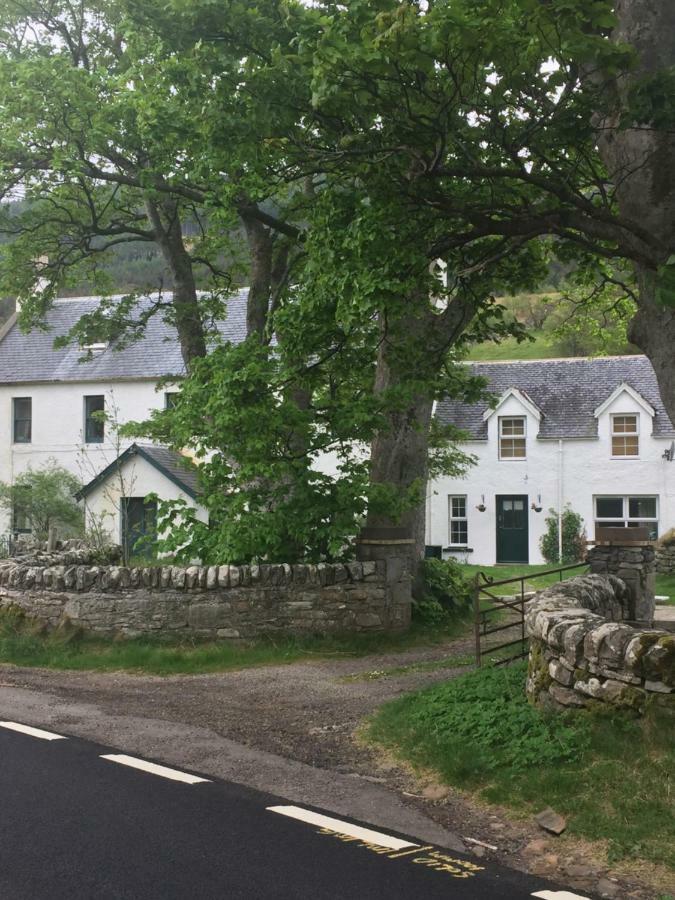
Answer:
(24, 643)
(610, 775)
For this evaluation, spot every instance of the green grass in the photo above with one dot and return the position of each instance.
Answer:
(539, 348)
(665, 585)
(610, 775)
(23, 643)
(501, 573)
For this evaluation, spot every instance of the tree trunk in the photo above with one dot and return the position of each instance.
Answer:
(641, 163)
(653, 331)
(412, 352)
(261, 245)
(165, 219)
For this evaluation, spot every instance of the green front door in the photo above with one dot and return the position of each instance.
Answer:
(139, 527)
(512, 531)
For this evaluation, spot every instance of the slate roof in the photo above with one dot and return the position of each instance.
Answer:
(30, 358)
(177, 468)
(567, 391)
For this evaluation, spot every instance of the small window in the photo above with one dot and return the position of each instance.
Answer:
(94, 419)
(625, 437)
(170, 399)
(459, 529)
(23, 420)
(512, 438)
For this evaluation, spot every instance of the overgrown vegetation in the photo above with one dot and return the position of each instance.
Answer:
(446, 593)
(573, 544)
(610, 775)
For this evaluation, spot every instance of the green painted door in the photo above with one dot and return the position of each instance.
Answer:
(512, 529)
(139, 527)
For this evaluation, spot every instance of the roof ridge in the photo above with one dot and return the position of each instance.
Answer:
(502, 362)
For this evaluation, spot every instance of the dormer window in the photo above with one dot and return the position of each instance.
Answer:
(625, 435)
(512, 436)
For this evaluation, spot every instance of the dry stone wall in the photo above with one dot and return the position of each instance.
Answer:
(581, 652)
(229, 602)
(635, 566)
(665, 560)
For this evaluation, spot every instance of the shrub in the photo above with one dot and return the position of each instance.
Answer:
(445, 593)
(45, 498)
(573, 537)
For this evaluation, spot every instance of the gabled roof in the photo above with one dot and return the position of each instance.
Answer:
(567, 391)
(177, 468)
(521, 397)
(624, 388)
(31, 358)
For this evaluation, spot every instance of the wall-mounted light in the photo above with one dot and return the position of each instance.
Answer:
(481, 506)
(669, 453)
(537, 507)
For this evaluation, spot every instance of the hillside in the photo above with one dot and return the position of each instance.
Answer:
(556, 329)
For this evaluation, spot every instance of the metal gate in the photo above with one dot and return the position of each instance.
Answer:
(504, 616)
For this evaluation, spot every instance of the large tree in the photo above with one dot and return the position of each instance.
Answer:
(516, 120)
(100, 140)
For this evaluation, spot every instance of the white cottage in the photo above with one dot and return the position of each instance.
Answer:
(51, 402)
(589, 433)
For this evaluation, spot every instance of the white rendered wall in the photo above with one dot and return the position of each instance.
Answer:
(587, 470)
(58, 426)
(135, 478)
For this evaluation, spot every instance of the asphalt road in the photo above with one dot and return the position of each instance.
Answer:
(75, 824)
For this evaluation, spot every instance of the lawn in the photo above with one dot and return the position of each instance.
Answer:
(610, 775)
(532, 583)
(665, 584)
(22, 643)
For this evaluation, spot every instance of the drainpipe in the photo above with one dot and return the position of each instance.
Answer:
(560, 500)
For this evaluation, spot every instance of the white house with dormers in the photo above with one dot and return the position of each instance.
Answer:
(589, 433)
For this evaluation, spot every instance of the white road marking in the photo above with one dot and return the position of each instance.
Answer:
(559, 895)
(33, 732)
(153, 768)
(340, 827)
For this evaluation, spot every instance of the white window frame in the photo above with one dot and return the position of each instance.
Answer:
(501, 436)
(623, 434)
(626, 519)
(452, 518)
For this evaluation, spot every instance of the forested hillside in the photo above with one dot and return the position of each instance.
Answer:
(559, 326)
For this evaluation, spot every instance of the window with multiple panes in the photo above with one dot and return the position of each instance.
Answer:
(459, 529)
(628, 512)
(22, 410)
(625, 435)
(512, 437)
(94, 419)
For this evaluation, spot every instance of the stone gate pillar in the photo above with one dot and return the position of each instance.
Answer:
(629, 554)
